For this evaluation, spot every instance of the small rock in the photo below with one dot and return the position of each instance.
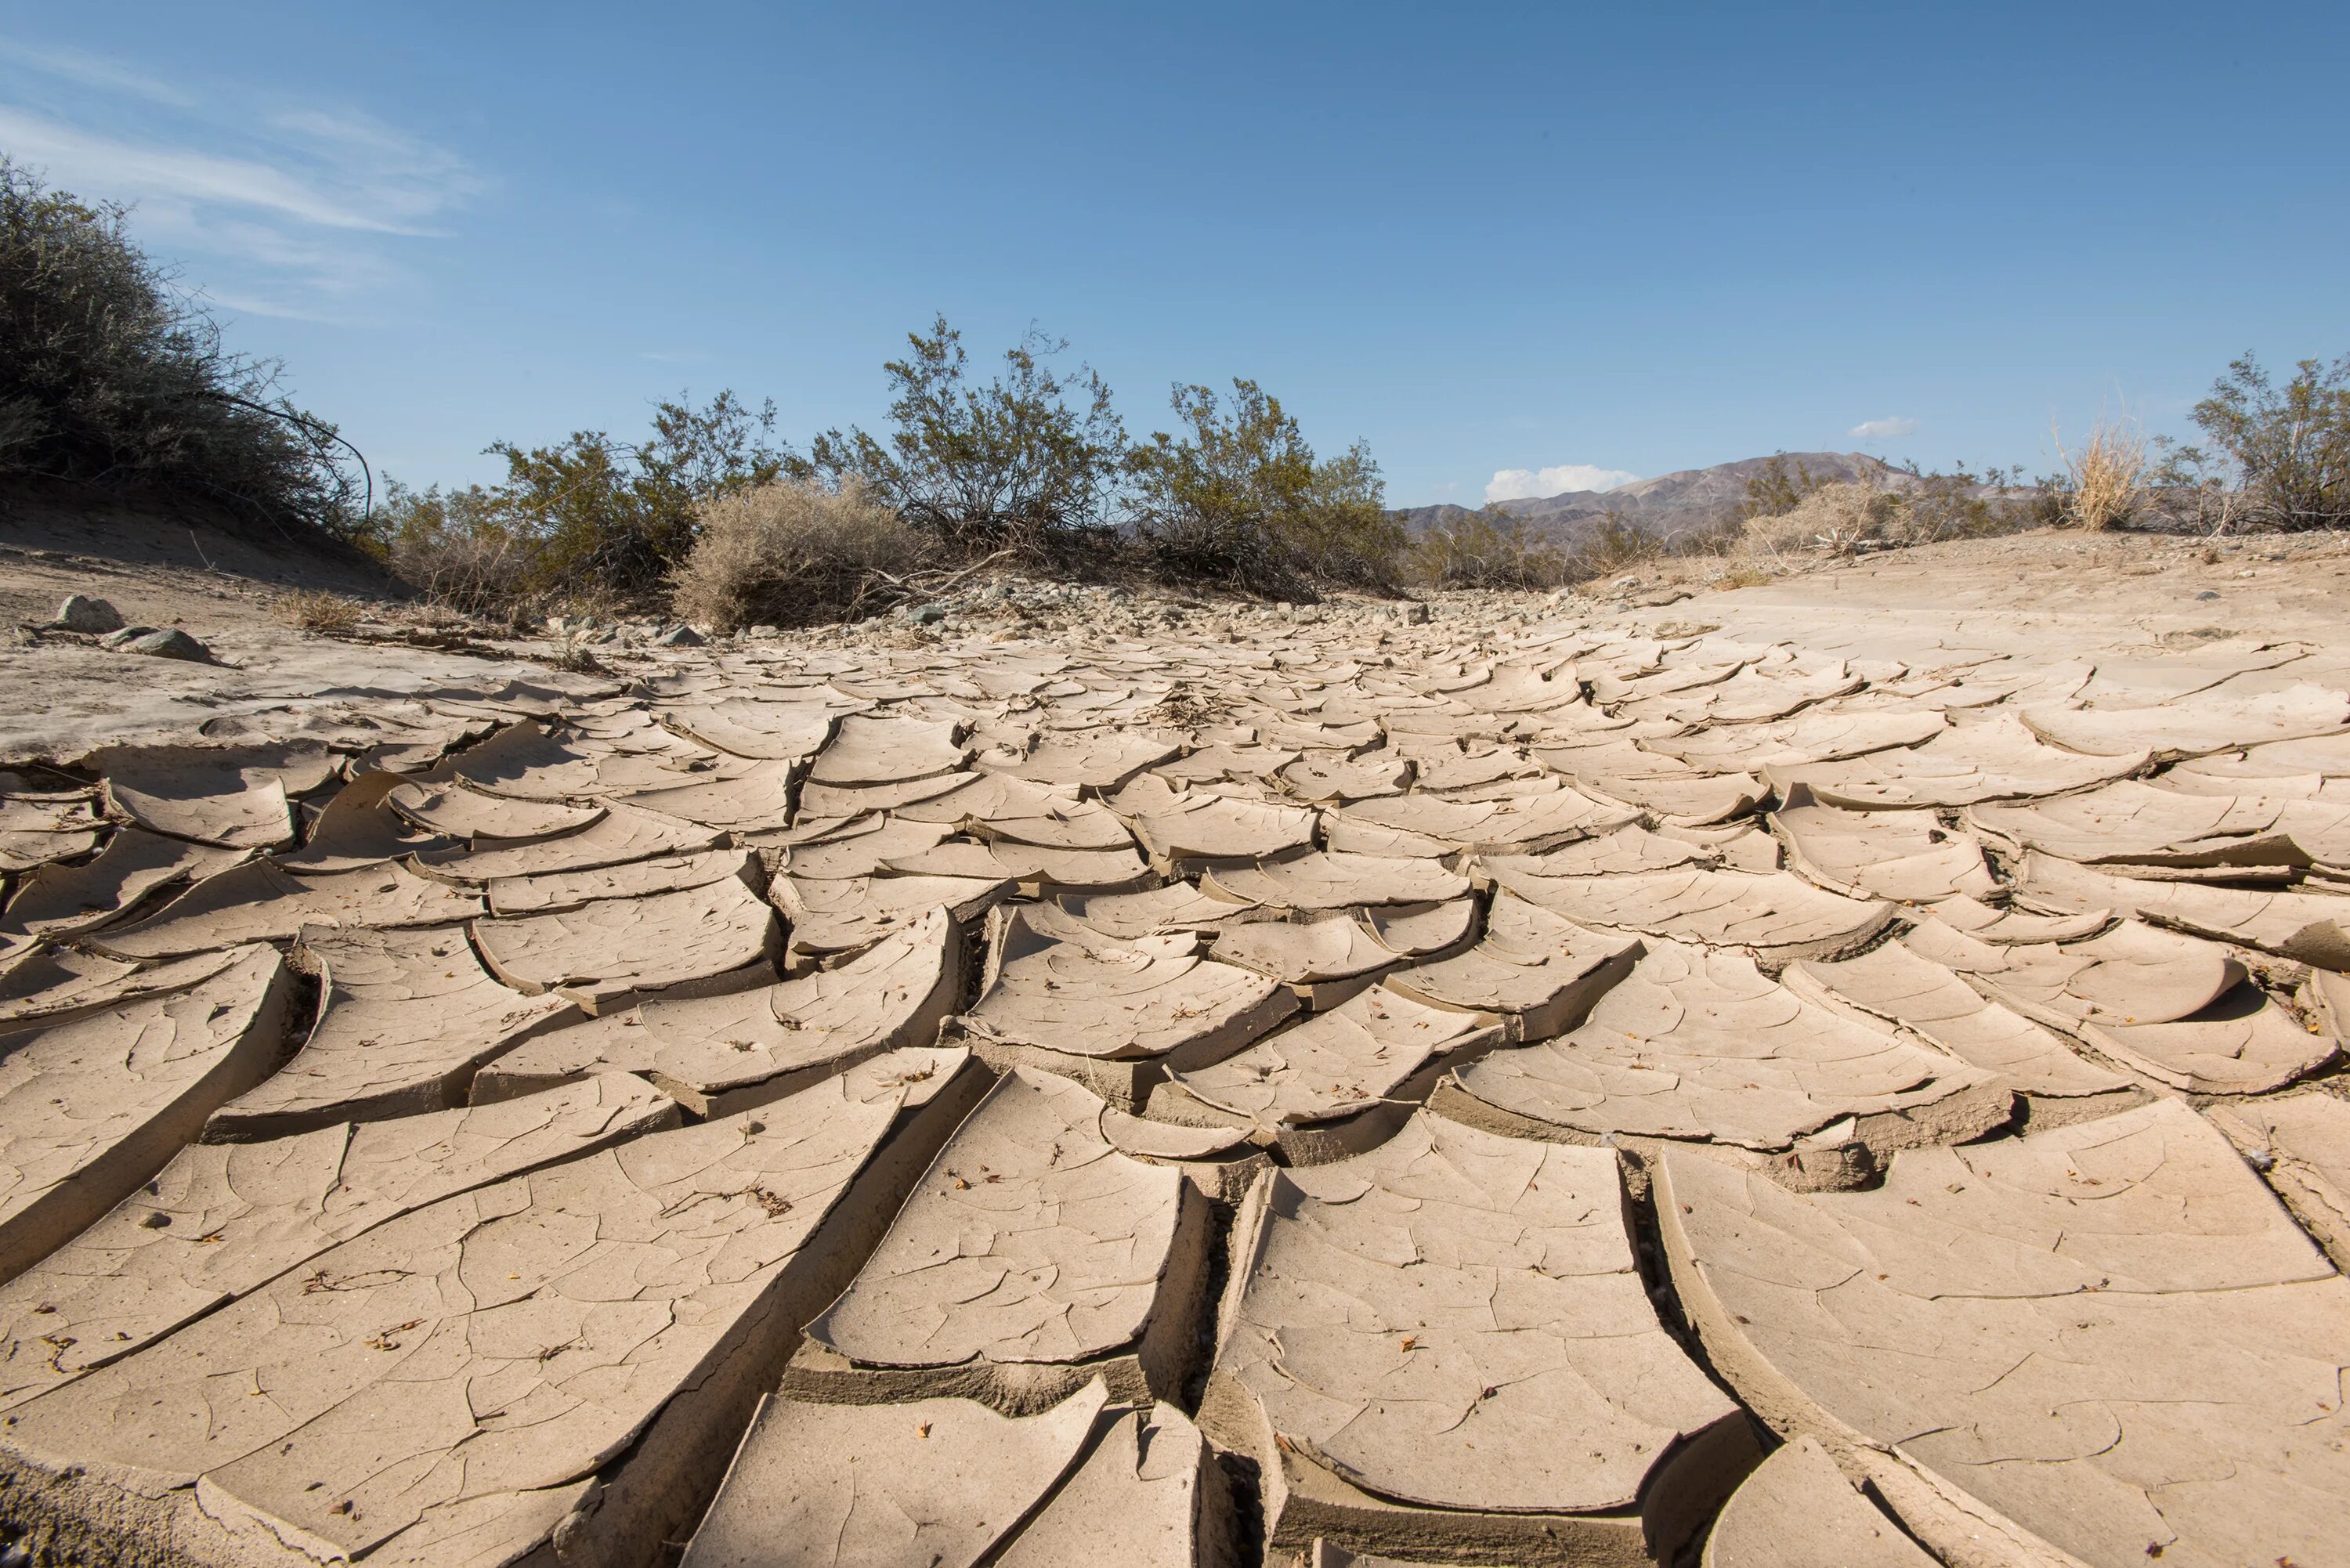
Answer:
(2209, 594)
(1627, 582)
(1415, 615)
(558, 624)
(169, 643)
(79, 613)
(678, 637)
(926, 615)
(127, 634)
(762, 629)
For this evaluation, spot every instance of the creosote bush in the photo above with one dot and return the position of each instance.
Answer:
(1239, 498)
(109, 375)
(793, 553)
(1487, 549)
(2289, 446)
(1029, 458)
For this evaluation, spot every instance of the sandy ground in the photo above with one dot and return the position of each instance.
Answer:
(59, 697)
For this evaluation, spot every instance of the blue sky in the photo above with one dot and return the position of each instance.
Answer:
(1548, 242)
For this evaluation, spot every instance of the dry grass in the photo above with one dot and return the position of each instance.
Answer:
(793, 555)
(2107, 476)
(1828, 520)
(470, 573)
(328, 614)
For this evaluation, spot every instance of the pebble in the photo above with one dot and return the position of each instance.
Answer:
(680, 637)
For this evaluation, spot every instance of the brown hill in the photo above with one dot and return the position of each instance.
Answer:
(1664, 507)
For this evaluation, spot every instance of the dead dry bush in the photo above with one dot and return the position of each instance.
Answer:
(2104, 477)
(1828, 519)
(1850, 517)
(793, 554)
(471, 572)
(325, 614)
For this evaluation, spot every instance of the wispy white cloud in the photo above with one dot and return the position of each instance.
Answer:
(1892, 428)
(1533, 484)
(123, 171)
(90, 70)
(281, 209)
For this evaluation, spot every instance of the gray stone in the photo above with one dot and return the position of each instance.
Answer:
(170, 643)
(1415, 615)
(83, 614)
(126, 634)
(2209, 594)
(680, 637)
(926, 615)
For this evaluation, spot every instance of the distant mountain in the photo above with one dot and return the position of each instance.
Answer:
(1664, 507)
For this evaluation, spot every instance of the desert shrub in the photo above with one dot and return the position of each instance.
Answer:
(1829, 517)
(2289, 445)
(1609, 547)
(316, 610)
(2103, 484)
(793, 553)
(1914, 507)
(1777, 487)
(1486, 549)
(111, 376)
(1240, 498)
(1959, 504)
(617, 517)
(1031, 456)
(451, 547)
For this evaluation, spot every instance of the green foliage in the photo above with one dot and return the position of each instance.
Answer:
(1242, 498)
(1487, 549)
(1031, 455)
(1035, 459)
(1776, 488)
(109, 375)
(2290, 445)
(590, 509)
(453, 546)
(1608, 547)
(1959, 504)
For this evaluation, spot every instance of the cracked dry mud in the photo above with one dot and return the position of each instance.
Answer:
(1807, 1079)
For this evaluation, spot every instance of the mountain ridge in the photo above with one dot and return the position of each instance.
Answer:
(1689, 500)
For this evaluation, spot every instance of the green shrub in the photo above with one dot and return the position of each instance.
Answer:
(594, 511)
(109, 375)
(1486, 549)
(1242, 499)
(451, 547)
(2290, 446)
(1026, 459)
(792, 554)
